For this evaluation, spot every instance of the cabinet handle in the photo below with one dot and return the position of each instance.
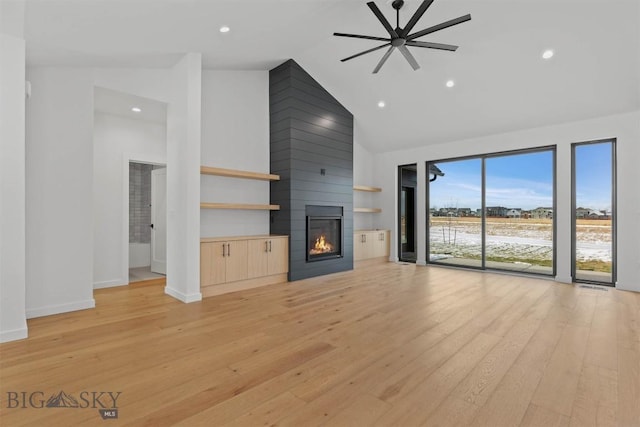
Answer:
(224, 252)
(266, 246)
(269, 245)
(228, 249)
(364, 236)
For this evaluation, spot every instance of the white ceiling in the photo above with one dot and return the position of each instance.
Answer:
(502, 84)
(120, 104)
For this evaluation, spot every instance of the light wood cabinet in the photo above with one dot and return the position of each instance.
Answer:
(223, 262)
(368, 244)
(236, 263)
(268, 256)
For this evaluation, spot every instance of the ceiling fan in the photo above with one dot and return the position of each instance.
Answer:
(400, 37)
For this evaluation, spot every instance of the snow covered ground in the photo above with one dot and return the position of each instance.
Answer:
(526, 240)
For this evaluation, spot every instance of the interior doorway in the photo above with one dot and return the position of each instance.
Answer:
(407, 181)
(147, 221)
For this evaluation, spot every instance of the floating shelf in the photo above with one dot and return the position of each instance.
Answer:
(233, 173)
(243, 206)
(367, 210)
(367, 188)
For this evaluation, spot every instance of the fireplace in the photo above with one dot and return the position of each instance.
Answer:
(325, 238)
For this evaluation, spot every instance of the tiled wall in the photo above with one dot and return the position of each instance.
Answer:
(139, 203)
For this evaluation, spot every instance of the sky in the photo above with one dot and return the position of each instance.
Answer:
(523, 181)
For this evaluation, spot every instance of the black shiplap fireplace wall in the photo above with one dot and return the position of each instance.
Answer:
(311, 148)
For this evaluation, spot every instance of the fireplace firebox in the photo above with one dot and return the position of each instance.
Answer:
(325, 238)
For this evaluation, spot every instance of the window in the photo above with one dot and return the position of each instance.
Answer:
(593, 211)
(494, 212)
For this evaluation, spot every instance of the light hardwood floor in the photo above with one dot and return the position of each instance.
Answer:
(391, 344)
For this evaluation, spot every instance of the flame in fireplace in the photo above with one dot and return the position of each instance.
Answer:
(321, 246)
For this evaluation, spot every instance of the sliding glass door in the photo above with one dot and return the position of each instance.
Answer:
(494, 211)
(455, 220)
(594, 212)
(519, 213)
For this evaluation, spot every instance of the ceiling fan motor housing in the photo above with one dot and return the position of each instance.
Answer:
(397, 4)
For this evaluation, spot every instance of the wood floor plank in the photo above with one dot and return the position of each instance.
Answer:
(596, 399)
(557, 389)
(509, 402)
(390, 344)
(541, 417)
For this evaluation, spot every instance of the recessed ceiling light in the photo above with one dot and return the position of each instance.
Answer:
(381, 104)
(136, 109)
(450, 83)
(547, 54)
(224, 29)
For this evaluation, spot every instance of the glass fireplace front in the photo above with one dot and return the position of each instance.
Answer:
(324, 237)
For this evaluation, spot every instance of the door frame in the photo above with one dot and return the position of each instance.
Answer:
(399, 210)
(126, 159)
(160, 266)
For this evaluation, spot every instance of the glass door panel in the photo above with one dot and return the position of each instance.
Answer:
(455, 206)
(593, 212)
(519, 212)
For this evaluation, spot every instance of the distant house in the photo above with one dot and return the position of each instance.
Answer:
(497, 211)
(464, 212)
(514, 213)
(525, 214)
(582, 212)
(542, 213)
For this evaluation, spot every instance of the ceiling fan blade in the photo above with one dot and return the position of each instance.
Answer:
(416, 17)
(357, 36)
(432, 45)
(439, 27)
(409, 57)
(382, 19)
(383, 60)
(365, 52)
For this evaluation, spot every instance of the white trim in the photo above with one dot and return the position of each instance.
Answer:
(183, 297)
(561, 279)
(60, 308)
(110, 284)
(14, 335)
(421, 262)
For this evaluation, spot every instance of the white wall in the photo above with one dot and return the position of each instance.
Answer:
(116, 140)
(59, 191)
(624, 127)
(363, 173)
(235, 135)
(139, 255)
(183, 179)
(13, 323)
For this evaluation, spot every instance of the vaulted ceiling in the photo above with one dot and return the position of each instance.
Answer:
(502, 83)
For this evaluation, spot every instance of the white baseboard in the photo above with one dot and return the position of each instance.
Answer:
(420, 262)
(181, 296)
(60, 308)
(110, 284)
(13, 335)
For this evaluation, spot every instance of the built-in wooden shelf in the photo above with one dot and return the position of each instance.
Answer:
(367, 188)
(367, 210)
(233, 173)
(243, 206)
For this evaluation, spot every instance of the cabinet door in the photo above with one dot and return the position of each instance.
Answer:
(382, 243)
(278, 255)
(217, 274)
(258, 258)
(360, 250)
(236, 260)
(206, 250)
